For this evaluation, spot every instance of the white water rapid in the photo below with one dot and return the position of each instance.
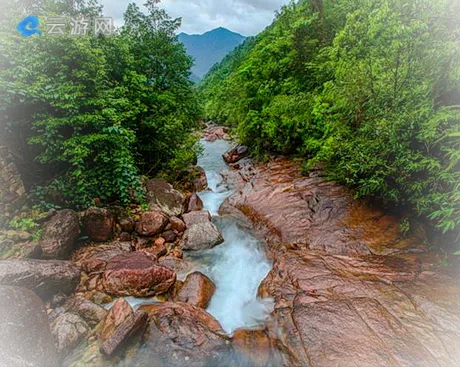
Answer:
(237, 266)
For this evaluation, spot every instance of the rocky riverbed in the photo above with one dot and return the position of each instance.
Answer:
(294, 271)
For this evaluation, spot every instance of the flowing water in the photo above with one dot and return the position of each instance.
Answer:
(237, 266)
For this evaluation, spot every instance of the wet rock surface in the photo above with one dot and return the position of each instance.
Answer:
(25, 336)
(121, 335)
(349, 288)
(94, 257)
(201, 236)
(194, 203)
(98, 224)
(69, 330)
(180, 334)
(151, 223)
(137, 274)
(197, 290)
(236, 154)
(45, 278)
(161, 196)
(60, 235)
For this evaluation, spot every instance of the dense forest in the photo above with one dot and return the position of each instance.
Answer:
(87, 117)
(369, 89)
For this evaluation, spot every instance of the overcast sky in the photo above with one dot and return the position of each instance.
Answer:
(247, 17)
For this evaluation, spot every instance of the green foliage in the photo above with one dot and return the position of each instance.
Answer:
(24, 224)
(370, 89)
(98, 112)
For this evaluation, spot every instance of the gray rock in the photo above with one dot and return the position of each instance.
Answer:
(201, 236)
(69, 330)
(60, 235)
(45, 278)
(161, 196)
(196, 217)
(25, 336)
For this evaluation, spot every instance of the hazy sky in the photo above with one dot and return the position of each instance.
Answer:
(247, 17)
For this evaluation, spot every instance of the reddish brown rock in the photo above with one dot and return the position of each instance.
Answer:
(127, 224)
(194, 203)
(197, 290)
(211, 138)
(254, 348)
(129, 327)
(158, 250)
(172, 293)
(137, 274)
(25, 336)
(349, 288)
(120, 312)
(180, 334)
(94, 257)
(170, 236)
(151, 223)
(236, 154)
(177, 224)
(60, 235)
(125, 237)
(177, 253)
(98, 224)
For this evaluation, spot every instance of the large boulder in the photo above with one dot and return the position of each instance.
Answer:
(181, 334)
(98, 224)
(94, 257)
(45, 278)
(69, 330)
(196, 217)
(161, 196)
(25, 336)
(236, 154)
(201, 236)
(137, 274)
(151, 223)
(197, 290)
(60, 235)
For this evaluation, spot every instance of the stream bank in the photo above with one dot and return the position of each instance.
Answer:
(293, 271)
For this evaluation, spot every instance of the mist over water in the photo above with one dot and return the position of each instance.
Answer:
(237, 266)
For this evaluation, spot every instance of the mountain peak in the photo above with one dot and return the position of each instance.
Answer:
(210, 47)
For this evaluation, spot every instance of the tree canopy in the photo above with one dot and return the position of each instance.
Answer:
(87, 116)
(368, 88)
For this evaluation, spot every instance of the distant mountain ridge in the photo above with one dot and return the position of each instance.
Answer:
(209, 48)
